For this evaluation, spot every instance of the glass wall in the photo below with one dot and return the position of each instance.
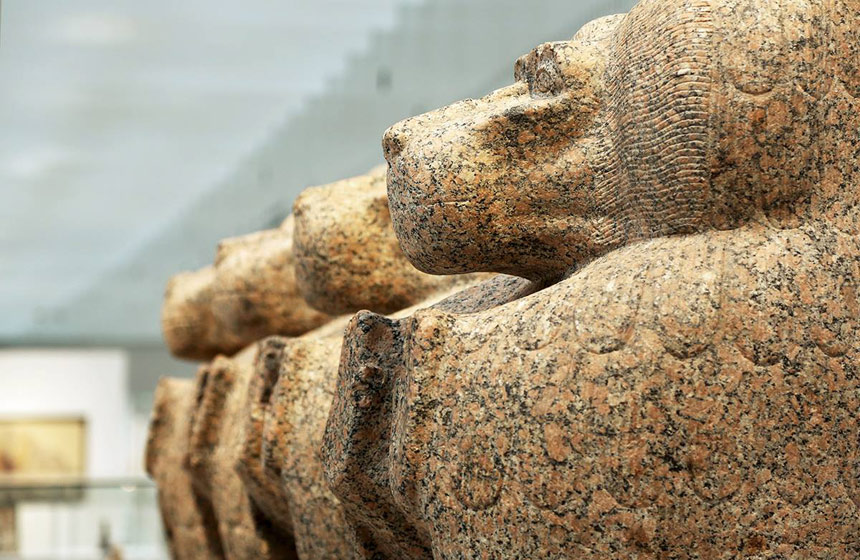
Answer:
(89, 519)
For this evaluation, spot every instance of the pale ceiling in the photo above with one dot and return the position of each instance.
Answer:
(134, 135)
(116, 115)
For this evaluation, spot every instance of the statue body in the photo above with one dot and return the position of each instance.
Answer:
(672, 375)
(189, 523)
(347, 259)
(257, 418)
(682, 183)
(601, 418)
(216, 441)
(289, 398)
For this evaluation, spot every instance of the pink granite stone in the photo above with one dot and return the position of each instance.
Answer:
(682, 183)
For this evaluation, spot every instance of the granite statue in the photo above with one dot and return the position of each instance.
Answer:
(217, 433)
(248, 293)
(347, 253)
(218, 311)
(347, 257)
(189, 524)
(252, 448)
(679, 185)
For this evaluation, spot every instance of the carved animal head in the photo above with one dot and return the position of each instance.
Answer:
(250, 292)
(679, 117)
(254, 293)
(189, 327)
(347, 256)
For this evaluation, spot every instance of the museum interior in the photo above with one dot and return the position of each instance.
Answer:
(413, 279)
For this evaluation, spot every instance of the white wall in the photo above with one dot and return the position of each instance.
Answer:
(92, 384)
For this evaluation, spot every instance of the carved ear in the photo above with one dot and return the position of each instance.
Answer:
(159, 424)
(262, 485)
(212, 386)
(356, 444)
(267, 365)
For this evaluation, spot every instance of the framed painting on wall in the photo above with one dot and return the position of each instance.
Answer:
(42, 449)
(37, 453)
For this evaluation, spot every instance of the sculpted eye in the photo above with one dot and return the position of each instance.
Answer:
(547, 79)
(755, 88)
(752, 85)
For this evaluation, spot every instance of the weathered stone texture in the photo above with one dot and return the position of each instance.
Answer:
(289, 398)
(357, 441)
(217, 435)
(682, 183)
(255, 293)
(250, 292)
(189, 523)
(632, 426)
(258, 423)
(347, 256)
(289, 401)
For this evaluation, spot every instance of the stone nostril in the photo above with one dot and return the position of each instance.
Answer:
(392, 142)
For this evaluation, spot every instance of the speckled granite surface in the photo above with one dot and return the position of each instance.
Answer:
(258, 420)
(190, 528)
(347, 256)
(255, 293)
(217, 433)
(720, 425)
(356, 448)
(683, 179)
(248, 293)
(289, 399)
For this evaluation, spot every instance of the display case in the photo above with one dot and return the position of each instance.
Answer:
(79, 519)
